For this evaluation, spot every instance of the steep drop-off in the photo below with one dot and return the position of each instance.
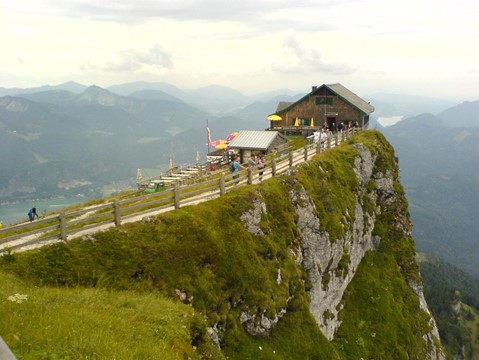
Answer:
(318, 263)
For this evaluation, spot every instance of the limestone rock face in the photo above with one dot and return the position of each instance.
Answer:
(434, 333)
(321, 256)
(324, 258)
(332, 262)
(252, 218)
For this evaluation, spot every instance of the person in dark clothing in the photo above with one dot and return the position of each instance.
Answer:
(261, 166)
(33, 213)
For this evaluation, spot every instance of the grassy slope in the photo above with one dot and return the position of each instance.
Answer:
(471, 322)
(206, 252)
(78, 323)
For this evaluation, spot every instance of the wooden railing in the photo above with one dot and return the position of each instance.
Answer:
(139, 208)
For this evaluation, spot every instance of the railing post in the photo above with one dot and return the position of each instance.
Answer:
(222, 185)
(318, 146)
(273, 167)
(306, 153)
(250, 175)
(177, 196)
(5, 352)
(329, 141)
(63, 226)
(336, 139)
(290, 159)
(116, 213)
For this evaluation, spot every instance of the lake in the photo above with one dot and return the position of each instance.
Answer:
(16, 212)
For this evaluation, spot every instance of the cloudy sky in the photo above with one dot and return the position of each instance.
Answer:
(418, 47)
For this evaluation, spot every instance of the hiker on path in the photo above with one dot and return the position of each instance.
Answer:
(32, 214)
(235, 166)
(252, 162)
(261, 166)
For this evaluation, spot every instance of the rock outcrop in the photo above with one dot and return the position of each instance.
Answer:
(331, 263)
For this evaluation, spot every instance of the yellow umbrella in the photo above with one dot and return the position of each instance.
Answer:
(312, 122)
(274, 117)
(296, 123)
(222, 145)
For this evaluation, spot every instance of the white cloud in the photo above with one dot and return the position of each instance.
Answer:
(368, 45)
(134, 60)
(307, 61)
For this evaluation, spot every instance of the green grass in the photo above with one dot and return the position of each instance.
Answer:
(77, 323)
(381, 318)
(471, 322)
(330, 180)
(296, 141)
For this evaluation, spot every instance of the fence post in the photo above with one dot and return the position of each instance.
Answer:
(250, 175)
(5, 352)
(63, 226)
(318, 146)
(273, 167)
(177, 196)
(290, 159)
(336, 139)
(222, 185)
(306, 153)
(116, 213)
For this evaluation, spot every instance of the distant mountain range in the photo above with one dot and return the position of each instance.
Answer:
(91, 136)
(439, 162)
(73, 138)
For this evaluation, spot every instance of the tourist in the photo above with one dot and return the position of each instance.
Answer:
(261, 166)
(235, 167)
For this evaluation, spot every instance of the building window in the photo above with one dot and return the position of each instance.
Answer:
(324, 100)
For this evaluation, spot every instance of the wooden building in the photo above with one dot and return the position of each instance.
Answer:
(325, 106)
(256, 142)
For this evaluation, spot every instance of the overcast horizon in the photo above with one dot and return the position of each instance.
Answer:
(424, 48)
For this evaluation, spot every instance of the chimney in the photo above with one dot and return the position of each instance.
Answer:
(314, 88)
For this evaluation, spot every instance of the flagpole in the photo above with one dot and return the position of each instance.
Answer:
(208, 135)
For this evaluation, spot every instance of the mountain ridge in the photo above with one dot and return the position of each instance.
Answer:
(439, 162)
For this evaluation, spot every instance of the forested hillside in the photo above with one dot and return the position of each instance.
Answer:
(58, 142)
(439, 162)
(453, 297)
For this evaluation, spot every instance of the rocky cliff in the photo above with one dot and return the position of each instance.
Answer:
(331, 261)
(318, 263)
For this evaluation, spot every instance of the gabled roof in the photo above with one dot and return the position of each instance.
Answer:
(337, 89)
(254, 139)
(350, 97)
(283, 105)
